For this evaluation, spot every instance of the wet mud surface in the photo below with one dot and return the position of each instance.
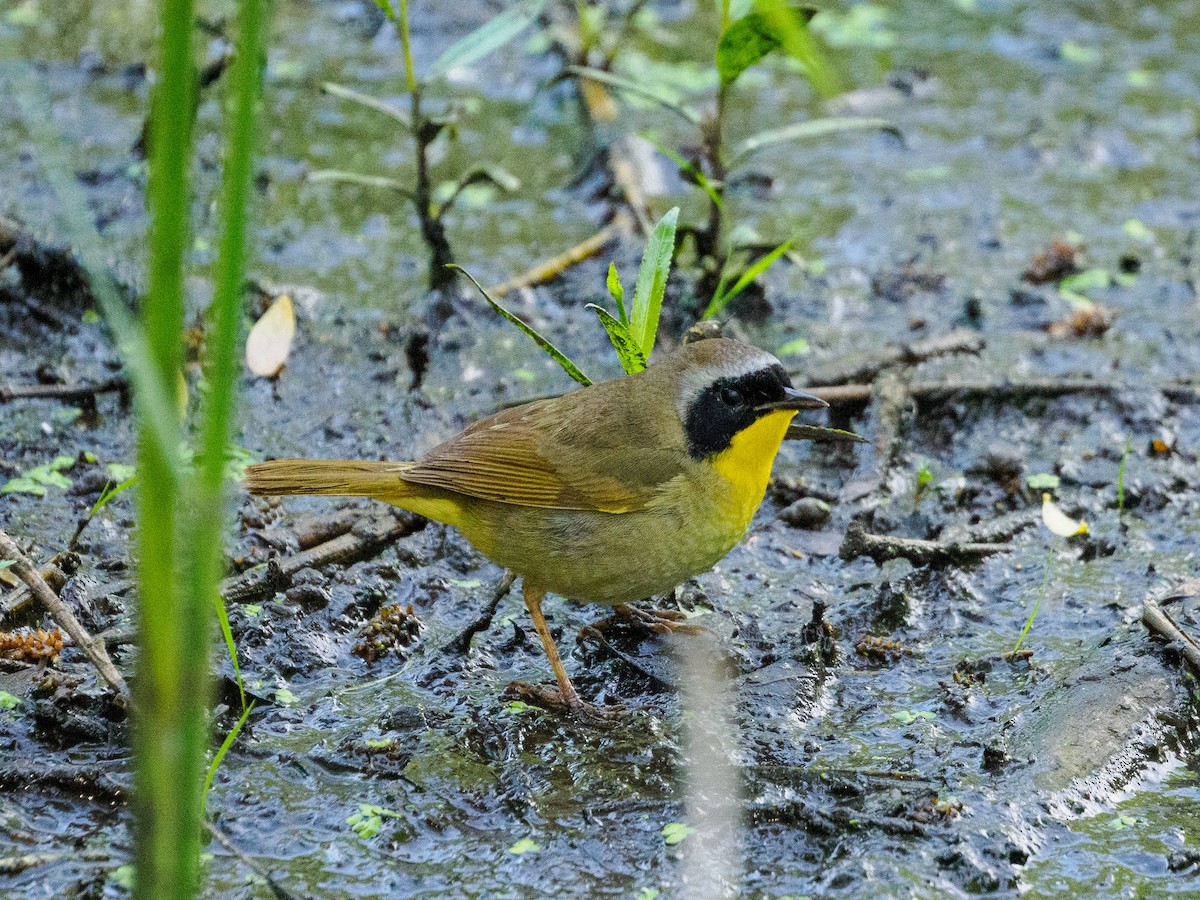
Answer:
(879, 735)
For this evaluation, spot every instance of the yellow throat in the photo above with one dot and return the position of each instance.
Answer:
(746, 463)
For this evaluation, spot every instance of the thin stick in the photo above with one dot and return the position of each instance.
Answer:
(276, 888)
(552, 268)
(919, 552)
(61, 613)
(1157, 620)
(64, 392)
(483, 621)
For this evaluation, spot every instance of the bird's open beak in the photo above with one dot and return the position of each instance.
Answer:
(795, 400)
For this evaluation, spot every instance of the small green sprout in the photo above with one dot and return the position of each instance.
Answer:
(368, 821)
(9, 701)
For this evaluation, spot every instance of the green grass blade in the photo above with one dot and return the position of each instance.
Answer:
(490, 36)
(224, 748)
(630, 354)
(813, 128)
(157, 408)
(553, 352)
(1037, 605)
(689, 169)
(169, 734)
(652, 282)
(365, 100)
(722, 298)
(637, 90)
(377, 182)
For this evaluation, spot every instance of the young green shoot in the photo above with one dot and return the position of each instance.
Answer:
(743, 42)
(1037, 605)
(425, 127)
(1121, 479)
(631, 333)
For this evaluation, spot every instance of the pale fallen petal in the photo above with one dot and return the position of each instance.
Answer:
(270, 339)
(1058, 521)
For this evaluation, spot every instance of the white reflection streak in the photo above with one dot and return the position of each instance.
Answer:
(711, 859)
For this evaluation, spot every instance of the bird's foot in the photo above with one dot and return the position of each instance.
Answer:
(655, 621)
(554, 700)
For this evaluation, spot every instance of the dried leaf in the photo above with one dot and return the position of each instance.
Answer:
(270, 339)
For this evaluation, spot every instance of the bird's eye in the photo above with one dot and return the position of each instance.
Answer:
(731, 396)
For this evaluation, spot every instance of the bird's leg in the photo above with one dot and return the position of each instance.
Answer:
(566, 697)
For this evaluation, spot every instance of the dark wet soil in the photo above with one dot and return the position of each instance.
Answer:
(877, 738)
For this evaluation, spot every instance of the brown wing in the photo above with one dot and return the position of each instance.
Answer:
(543, 454)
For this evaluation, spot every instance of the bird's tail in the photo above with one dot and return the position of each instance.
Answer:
(332, 477)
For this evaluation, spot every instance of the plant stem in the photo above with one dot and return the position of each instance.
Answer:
(1037, 605)
(406, 43)
(432, 229)
(169, 712)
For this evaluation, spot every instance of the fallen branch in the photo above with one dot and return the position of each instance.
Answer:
(368, 536)
(61, 613)
(67, 393)
(552, 268)
(858, 542)
(1155, 618)
(961, 340)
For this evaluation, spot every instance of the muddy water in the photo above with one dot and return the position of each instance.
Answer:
(938, 769)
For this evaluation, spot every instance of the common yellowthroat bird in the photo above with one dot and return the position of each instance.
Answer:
(611, 493)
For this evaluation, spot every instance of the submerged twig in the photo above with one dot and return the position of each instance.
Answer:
(961, 340)
(221, 838)
(64, 392)
(61, 613)
(858, 542)
(483, 621)
(1155, 618)
(368, 536)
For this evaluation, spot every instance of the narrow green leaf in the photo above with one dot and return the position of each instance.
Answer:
(553, 352)
(618, 292)
(367, 181)
(652, 282)
(689, 169)
(814, 128)
(5, 563)
(109, 493)
(345, 93)
(722, 298)
(490, 36)
(637, 90)
(225, 745)
(631, 355)
(487, 174)
(743, 44)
